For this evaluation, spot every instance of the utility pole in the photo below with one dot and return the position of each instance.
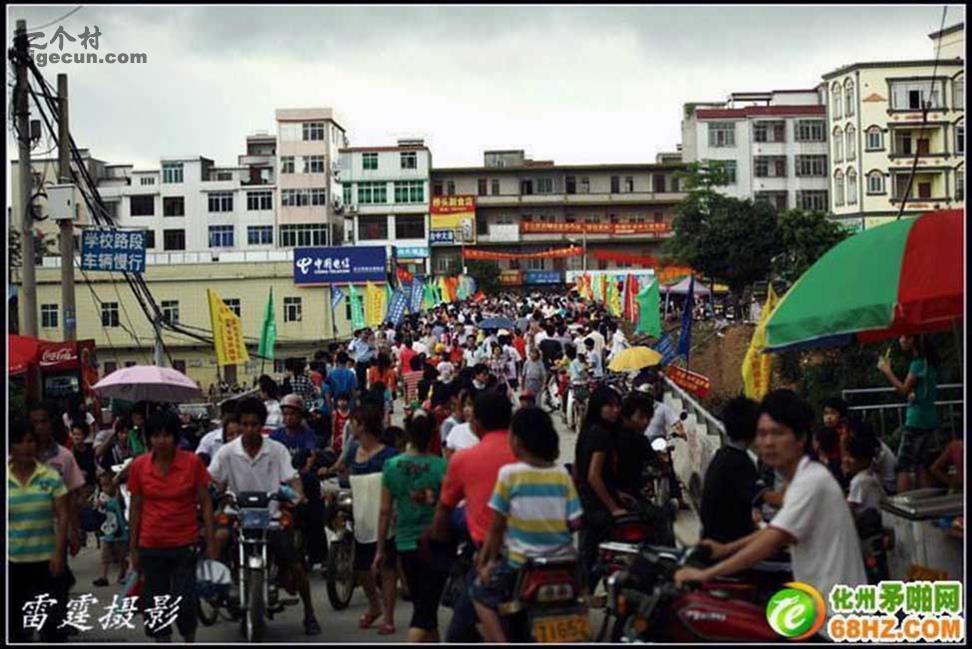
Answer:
(28, 293)
(584, 230)
(66, 224)
(157, 325)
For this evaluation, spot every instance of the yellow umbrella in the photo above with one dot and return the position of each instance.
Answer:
(635, 358)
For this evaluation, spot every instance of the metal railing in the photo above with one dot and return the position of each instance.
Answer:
(693, 406)
(949, 410)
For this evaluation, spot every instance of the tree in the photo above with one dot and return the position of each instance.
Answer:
(486, 274)
(805, 237)
(725, 238)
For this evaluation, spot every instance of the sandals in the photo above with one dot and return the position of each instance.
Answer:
(366, 620)
(386, 629)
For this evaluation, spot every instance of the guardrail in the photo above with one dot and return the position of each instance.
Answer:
(950, 410)
(710, 420)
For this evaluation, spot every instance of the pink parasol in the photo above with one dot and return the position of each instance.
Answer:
(148, 383)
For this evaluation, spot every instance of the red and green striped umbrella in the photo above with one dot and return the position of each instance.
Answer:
(905, 277)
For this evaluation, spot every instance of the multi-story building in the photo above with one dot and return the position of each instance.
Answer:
(773, 144)
(524, 206)
(386, 199)
(878, 130)
(308, 144)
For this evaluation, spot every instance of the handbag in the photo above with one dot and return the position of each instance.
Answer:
(92, 519)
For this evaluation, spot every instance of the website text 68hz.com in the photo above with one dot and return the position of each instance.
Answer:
(888, 628)
(65, 58)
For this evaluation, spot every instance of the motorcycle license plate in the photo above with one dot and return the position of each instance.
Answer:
(566, 628)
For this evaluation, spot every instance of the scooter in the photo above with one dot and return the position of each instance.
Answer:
(548, 603)
(339, 529)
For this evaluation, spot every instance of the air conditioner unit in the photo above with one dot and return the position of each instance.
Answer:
(336, 165)
(353, 209)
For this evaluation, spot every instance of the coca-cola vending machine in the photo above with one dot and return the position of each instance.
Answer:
(68, 369)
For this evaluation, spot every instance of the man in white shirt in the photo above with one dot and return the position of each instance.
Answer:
(814, 521)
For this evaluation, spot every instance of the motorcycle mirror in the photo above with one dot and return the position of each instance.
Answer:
(659, 445)
(683, 416)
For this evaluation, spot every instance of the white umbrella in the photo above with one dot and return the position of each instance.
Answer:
(148, 383)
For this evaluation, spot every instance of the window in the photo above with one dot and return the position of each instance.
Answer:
(173, 206)
(481, 187)
(410, 191)
(812, 200)
(224, 175)
(769, 132)
(292, 309)
(409, 160)
(570, 185)
(146, 180)
(316, 196)
(811, 166)
(960, 186)
(730, 167)
(372, 227)
(810, 130)
(149, 239)
(179, 366)
(958, 93)
(629, 184)
(924, 190)
(259, 201)
(170, 310)
(346, 189)
(234, 305)
(769, 167)
(851, 186)
(220, 202)
(171, 172)
(544, 185)
(722, 134)
(451, 188)
(775, 199)
(615, 184)
(849, 101)
(437, 188)
(369, 161)
(914, 95)
(903, 144)
(313, 130)
(851, 148)
(221, 236)
(109, 367)
(960, 138)
(482, 227)
(839, 188)
(372, 193)
(535, 264)
(109, 314)
(173, 239)
(585, 185)
(874, 139)
(259, 235)
(287, 164)
(112, 208)
(835, 97)
(314, 164)
(875, 182)
(410, 227)
(838, 144)
(314, 234)
(49, 316)
(446, 264)
(495, 187)
(658, 183)
(141, 205)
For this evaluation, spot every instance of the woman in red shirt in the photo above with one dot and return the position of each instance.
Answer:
(166, 486)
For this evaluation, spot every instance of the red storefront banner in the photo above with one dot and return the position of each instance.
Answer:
(625, 258)
(488, 255)
(538, 227)
(690, 381)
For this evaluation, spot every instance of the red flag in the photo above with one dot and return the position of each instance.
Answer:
(404, 277)
(478, 296)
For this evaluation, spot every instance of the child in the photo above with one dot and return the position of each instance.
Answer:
(114, 531)
(342, 413)
(866, 491)
(551, 519)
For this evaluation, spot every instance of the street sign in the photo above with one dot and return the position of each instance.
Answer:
(113, 250)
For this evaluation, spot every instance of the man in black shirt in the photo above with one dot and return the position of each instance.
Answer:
(730, 481)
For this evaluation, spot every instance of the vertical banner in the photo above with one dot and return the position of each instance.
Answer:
(757, 367)
(374, 304)
(227, 332)
(268, 334)
(416, 295)
(396, 309)
(685, 338)
(357, 308)
(336, 296)
(666, 348)
(649, 303)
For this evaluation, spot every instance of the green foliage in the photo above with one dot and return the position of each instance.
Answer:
(805, 237)
(43, 246)
(486, 274)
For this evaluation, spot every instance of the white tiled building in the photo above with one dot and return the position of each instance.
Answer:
(774, 145)
(386, 199)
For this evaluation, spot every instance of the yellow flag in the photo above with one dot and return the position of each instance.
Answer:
(227, 332)
(375, 302)
(757, 367)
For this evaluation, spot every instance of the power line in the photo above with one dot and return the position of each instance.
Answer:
(68, 14)
(926, 105)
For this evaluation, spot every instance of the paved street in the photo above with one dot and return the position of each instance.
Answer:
(337, 626)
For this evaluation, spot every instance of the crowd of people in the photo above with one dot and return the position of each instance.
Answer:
(475, 460)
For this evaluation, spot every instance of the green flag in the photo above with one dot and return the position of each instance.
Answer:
(268, 335)
(357, 308)
(428, 297)
(649, 303)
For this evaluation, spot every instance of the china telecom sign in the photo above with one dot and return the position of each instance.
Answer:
(339, 265)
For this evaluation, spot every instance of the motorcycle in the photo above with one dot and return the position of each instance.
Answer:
(550, 399)
(339, 529)
(658, 490)
(648, 607)
(548, 603)
(257, 593)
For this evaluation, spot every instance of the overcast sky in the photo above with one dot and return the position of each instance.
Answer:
(573, 84)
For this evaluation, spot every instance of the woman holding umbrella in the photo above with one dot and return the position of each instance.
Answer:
(920, 440)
